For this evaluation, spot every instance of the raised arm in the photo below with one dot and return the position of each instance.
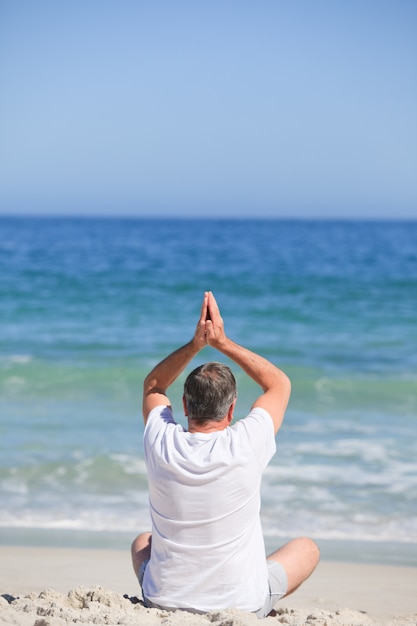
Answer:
(167, 371)
(274, 382)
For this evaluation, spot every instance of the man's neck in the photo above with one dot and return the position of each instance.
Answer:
(210, 426)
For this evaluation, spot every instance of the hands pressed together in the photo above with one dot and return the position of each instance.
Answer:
(210, 326)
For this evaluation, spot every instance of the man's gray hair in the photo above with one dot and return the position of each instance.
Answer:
(209, 392)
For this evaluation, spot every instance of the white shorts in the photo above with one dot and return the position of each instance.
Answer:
(277, 580)
(278, 586)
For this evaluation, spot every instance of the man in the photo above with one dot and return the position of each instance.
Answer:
(206, 551)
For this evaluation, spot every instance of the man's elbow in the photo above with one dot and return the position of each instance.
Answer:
(285, 387)
(288, 384)
(149, 385)
(284, 382)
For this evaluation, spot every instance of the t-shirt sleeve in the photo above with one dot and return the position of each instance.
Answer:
(158, 420)
(259, 430)
(162, 412)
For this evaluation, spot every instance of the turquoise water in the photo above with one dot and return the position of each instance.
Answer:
(88, 306)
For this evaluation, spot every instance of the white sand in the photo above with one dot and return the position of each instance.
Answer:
(57, 587)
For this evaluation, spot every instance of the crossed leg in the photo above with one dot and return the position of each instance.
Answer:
(299, 557)
(141, 550)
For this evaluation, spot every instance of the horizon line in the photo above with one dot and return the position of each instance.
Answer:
(179, 217)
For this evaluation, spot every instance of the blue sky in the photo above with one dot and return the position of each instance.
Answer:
(275, 108)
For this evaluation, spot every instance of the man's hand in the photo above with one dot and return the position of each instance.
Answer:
(210, 328)
(200, 338)
(214, 326)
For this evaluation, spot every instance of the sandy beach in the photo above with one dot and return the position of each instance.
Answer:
(57, 587)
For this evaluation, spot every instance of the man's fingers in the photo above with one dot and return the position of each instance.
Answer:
(210, 325)
(212, 305)
(209, 333)
(204, 308)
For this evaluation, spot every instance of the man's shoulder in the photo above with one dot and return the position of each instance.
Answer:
(257, 421)
(257, 430)
(257, 414)
(158, 417)
(163, 411)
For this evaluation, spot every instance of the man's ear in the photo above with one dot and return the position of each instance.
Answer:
(231, 411)
(185, 406)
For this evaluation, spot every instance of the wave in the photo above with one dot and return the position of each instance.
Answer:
(371, 500)
(28, 377)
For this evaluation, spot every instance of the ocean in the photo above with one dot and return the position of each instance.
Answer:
(89, 305)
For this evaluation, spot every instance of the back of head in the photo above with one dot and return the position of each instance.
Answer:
(209, 392)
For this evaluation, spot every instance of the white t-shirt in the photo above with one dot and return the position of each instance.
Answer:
(208, 551)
